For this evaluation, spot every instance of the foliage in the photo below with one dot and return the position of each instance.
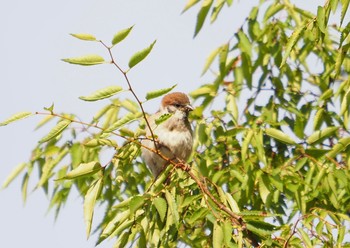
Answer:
(270, 168)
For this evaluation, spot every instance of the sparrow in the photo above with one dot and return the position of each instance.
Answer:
(173, 137)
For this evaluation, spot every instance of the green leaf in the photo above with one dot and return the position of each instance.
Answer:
(18, 169)
(172, 207)
(141, 55)
(291, 43)
(280, 136)
(82, 36)
(158, 93)
(162, 118)
(83, 170)
(161, 206)
(272, 10)
(91, 59)
(217, 9)
(189, 4)
(305, 238)
(218, 235)
(102, 93)
(135, 203)
(321, 19)
(345, 5)
(244, 43)
(121, 35)
(121, 122)
(202, 14)
(59, 128)
(210, 59)
(246, 143)
(319, 118)
(89, 203)
(15, 117)
(318, 136)
(260, 228)
(340, 146)
(222, 59)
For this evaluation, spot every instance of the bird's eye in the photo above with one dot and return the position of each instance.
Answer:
(177, 105)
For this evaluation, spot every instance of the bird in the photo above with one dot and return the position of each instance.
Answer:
(173, 137)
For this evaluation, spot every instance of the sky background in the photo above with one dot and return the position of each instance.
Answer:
(34, 39)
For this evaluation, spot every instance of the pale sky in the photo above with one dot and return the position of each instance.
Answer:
(34, 39)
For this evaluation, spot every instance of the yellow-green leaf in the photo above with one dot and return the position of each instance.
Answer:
(135, 203)
(161, 206)
(280, 136)
(83, 170)
(202, 14)
(321, 19)
(121, 122)
(246, 143)
(162, 118)
(291, 43)
(340, 146)
(15, 117)
(345, 5)
(321, 134)
(121, 35)
(210, 59)
(83, 36)
(189, 4)
(18, 169)
(141, 55)
(157, 93)
(172, 207)
(102, 93)
(89, 203)
(91, 59)
(56, 130)
(218, 235)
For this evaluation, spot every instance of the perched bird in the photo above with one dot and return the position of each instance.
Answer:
(173, 137)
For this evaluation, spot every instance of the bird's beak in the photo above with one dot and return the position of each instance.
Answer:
(188, 108)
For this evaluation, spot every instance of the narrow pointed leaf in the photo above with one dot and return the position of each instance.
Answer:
(246, 143)
(344, 9)
(158, 93)
(202, 14)
(83, 170)
(291, 43)
(89, 203)
(82, 36)
(339, 147)
(172, 207)
(222, 59)
(126, 119)
(14, 174)
(189, 4)
(15, 117)
(141, 55)
(161, 206)
(135, 203)
(321, 19)
(56, 131)
(121, 35)
(86, 60)
(280, 136)
(210, 59)
(162, 118)
(102, 93)
(218, 235)
(318, 136)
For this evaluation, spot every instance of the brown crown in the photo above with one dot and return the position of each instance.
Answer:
(175, 98)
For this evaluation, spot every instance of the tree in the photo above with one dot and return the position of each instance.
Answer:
(271, 163)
